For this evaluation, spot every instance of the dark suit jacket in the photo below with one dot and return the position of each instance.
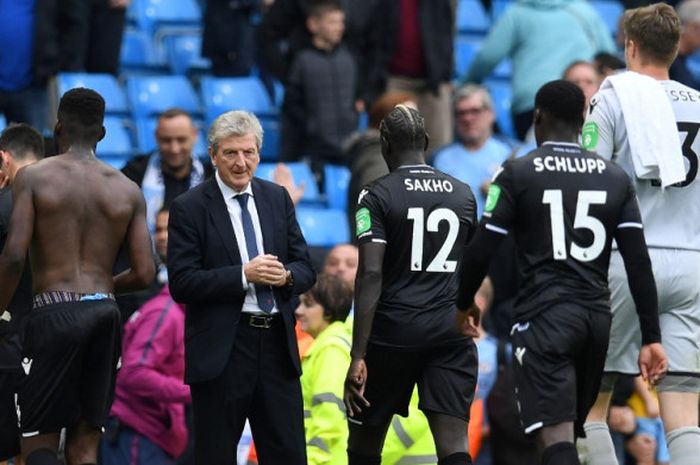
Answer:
(204, 270)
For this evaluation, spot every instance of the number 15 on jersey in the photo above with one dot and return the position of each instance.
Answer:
(582, 219)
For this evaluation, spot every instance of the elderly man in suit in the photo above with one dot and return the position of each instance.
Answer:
(236, 257)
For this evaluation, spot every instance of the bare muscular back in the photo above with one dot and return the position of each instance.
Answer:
(83, 211)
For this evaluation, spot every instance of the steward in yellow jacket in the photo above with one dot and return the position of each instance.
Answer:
(324, 367)
(321, 313)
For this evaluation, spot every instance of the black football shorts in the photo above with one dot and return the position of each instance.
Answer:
(70, 356)
(558, 358)
(446, 378)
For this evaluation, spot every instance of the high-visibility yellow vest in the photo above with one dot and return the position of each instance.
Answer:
(324, 367)
(409, 440)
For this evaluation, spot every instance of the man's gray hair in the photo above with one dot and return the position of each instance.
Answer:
(689, 11)
(234, 123)
(468, 90)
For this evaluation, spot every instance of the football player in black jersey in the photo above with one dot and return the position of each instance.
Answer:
(412, 227)
(564, 206)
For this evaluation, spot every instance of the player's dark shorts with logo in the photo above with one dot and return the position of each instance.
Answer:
(445, 374)
(70, 356)
(9, 431)
(559, 357)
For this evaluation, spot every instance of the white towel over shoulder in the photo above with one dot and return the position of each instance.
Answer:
(651, 127)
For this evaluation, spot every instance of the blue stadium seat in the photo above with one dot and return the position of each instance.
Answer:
(105, 84)
(152, 15)
(693, 63)
(336, 180)
(279, 93)
(503, 70)
(115, 148)
(3, 122)
(610, 12)
(362, 121)
(225, 94)
(151, 95)
(465, 48)
(323, 227)
(471, 17)
(271, 139)
(146, 137)
(201, 147)
(502, 95)
(184, 52)
(301, 174)
(138, 54)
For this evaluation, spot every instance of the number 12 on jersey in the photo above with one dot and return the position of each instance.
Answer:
(439, 264)
(582, 219)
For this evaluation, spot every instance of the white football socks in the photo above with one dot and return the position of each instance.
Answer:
(599, 445)
(684, 445)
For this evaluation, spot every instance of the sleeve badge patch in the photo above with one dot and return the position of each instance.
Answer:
(589, 136)
(363, 220)
(492, 198)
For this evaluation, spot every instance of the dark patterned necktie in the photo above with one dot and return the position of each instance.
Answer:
(263, 292)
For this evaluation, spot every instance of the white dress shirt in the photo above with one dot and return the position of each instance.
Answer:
(250, 304)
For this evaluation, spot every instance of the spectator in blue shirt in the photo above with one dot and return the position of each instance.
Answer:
(477, 154)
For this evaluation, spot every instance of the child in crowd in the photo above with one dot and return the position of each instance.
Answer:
(319, 110)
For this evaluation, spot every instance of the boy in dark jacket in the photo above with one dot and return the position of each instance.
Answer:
(320, 110)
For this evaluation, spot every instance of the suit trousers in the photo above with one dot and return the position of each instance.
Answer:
(258, 383)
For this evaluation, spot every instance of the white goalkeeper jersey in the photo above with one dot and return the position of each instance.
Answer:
(671, 216)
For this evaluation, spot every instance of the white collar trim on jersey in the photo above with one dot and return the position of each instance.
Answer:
(423, 165)
(569, 144)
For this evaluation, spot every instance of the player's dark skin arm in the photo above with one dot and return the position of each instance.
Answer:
(368, 288)
(19, 235)
(633, 248)
(475, 264)
(142, 271)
